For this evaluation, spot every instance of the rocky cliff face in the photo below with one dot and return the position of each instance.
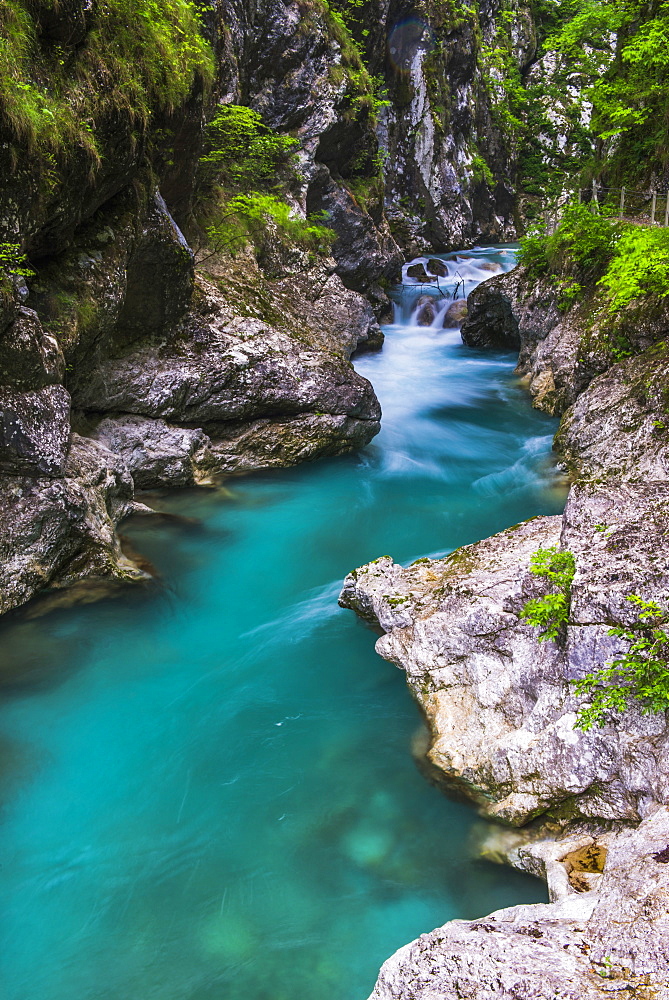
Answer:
(119, 367)
(500, 707)
(180, 377)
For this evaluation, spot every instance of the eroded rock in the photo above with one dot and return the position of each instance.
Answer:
(610, 940)
(499, 704)
(56, 531)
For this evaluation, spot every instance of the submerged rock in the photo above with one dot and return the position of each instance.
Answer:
(456, 314)
(418, 273)
(438, 267)
(426, 310)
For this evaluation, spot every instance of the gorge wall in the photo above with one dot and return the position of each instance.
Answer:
(590, 805)
(124, 365)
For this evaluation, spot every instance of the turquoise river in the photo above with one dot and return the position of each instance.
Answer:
(207, 790)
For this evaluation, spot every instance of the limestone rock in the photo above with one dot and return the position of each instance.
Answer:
(156, 453)
(437, 267)
(490, 321)
(418, 273)
(30, 358)
(619, 427)
(608, 941)
(426, 310)
(34, 431)
(364, 251)
(56, 531)
(498, 703)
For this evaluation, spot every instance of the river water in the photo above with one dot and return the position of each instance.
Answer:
(207, 788)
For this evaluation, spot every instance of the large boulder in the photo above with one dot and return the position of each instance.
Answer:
(56, 531)
(499, 704)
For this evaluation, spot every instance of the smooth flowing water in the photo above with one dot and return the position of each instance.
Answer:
(207, 788)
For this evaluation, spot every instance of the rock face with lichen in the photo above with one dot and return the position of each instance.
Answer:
(500, 712)
(119, 368)
(499, 705)
(609, 381)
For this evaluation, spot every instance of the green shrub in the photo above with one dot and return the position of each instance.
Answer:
(248, 218)
(624, 261)
(241, 151)
(551, 612)
(640, 267)
(13, 261)
(641, 674)
(533, 252)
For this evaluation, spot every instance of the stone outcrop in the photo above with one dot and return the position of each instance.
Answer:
(500, 710)
(57, 530)
(607, 379)
(608, 940)
(498, 704)
(170, 383)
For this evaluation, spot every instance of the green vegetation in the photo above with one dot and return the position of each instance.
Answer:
(640, 267)
(551, 612)
(13, 261)
(251, 217)
(245, 170)
(639, 675)
(629, 91)
(582, 246)
(241, 151)
(138, 56)
(346, 21)
(623, 262)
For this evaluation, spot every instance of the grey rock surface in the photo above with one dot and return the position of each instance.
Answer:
(499, 705)
(619, 427)
(56, 531)
(34, 430)
(155, 453)
(501, 713)
(608, 941)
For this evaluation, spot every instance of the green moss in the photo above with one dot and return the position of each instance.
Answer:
(139, 56)
(395, 602)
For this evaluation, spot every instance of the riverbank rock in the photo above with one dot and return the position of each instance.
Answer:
(619, 426)
(611, 940)
(167, 382)
(57, 531)
(498, 703)
(500, 711)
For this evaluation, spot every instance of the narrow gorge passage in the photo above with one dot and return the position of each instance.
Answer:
(210, 791)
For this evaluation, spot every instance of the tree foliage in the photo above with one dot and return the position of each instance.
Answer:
(551, 612)
(630, 98)
(241, 151)
(640, 675)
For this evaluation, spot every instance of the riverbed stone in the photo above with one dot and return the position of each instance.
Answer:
(456, 314)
